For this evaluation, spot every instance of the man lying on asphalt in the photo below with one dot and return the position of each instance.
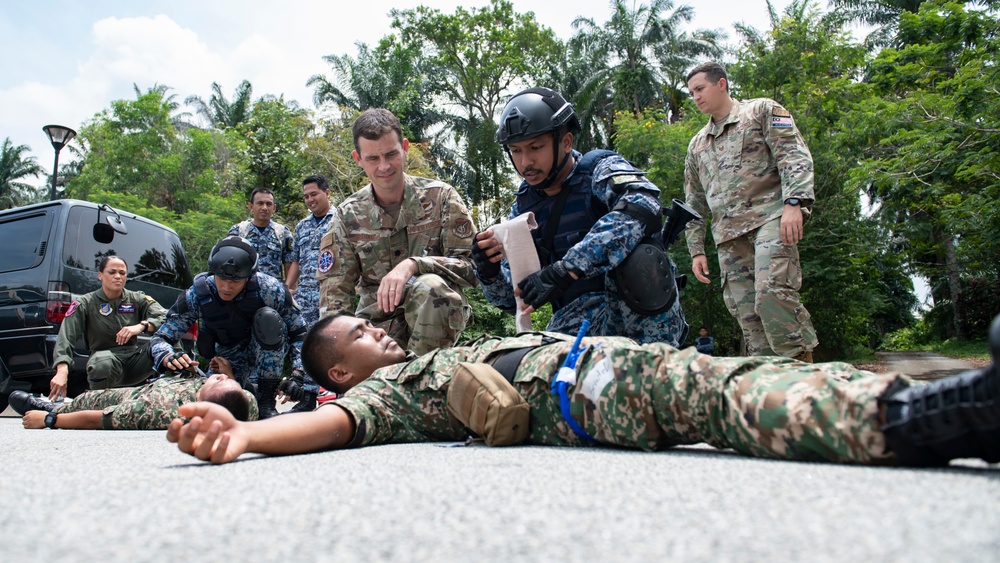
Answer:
(648, 397)
(147, 407)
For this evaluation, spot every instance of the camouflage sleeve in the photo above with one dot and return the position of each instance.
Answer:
(615, 235)
(154, 406)
(234, 230)
(337, 283)
(296, 252)
(789, 150)
(694, 194)
(73, 326)
(500, 292)
(288, 247)
(457, 232)
(182, 315)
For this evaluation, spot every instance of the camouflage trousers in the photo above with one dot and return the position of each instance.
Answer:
(149, 407)
(120, 366)
(653, 396)
(761, 278)
(433, 315)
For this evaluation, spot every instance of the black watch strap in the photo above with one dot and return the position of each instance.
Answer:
(50, 420)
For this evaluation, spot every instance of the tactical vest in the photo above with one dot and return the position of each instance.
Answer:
(229, 323)
(247, 225)
(581, 212)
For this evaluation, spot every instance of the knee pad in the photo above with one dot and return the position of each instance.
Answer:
(269, 328)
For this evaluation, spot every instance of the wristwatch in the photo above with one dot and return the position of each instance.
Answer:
(793, 201)
(145, 326)
(50, 420)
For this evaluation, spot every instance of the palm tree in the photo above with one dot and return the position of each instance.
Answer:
(883, 15)
(180, 119)
(637, 41)
(221, 112)
(14, 167)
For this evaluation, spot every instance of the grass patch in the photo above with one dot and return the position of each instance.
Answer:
(960, 348)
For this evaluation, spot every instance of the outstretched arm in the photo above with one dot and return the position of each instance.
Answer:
(79, 420)
(214, 435)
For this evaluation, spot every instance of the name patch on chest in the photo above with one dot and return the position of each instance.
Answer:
(597, 379)
(127, 308)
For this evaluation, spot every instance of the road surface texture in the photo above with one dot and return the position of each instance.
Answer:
(131, 496)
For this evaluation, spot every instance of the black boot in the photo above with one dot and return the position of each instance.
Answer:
(266, 390)
(308, 403)
(956, 417)
(22, 402)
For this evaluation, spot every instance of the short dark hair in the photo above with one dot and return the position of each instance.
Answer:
(235, 401)
(319, 354)
(318, 179)
(713, 72)
(104, 262)
(264, 191)
(373, 123)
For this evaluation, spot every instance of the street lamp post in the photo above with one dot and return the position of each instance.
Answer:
(59, 136)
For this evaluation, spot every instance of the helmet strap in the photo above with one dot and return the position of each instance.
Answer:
(551, 178)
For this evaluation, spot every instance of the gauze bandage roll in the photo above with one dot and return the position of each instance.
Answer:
(519, 249)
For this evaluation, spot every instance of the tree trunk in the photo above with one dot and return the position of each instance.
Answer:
(954, 282)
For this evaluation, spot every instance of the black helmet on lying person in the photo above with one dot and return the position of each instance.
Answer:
(542, 115)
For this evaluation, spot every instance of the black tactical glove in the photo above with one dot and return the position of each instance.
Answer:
(545, 285)
(294, 386)
(487, 270)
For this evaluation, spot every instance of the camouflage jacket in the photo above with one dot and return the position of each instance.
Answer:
(364, 243)
(407, 402)
(98, 319)
(744, 169)
(154, 405)
(274, 245)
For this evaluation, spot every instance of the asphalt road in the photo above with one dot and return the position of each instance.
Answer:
(131, 496)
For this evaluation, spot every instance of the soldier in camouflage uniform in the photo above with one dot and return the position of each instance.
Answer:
(250, 319)
(603, 207)
(752, 169)
(149, 407)
(647, 397)
(302, 280)
(272, 240)
(109, 320)
(402, 241)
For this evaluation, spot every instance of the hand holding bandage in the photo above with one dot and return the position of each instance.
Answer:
(515, 234)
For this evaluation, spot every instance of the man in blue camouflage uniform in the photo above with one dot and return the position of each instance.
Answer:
(751, 168)
(305, 258)
(621, 394)
(272, 240)
(246, 317)
(604, 207)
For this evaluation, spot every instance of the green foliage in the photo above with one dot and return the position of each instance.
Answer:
(481, 53)
(929, 134)
(14, 168)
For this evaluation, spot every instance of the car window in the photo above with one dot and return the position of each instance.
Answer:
(23, 242)
(154, 255)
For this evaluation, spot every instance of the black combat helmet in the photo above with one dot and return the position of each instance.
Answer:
(534, 112)
(233, 258)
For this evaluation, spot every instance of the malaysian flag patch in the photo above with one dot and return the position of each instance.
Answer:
(781, 118)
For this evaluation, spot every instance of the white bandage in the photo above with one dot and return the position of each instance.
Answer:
(519, 249)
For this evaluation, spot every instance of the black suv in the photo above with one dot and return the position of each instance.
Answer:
(49, 254)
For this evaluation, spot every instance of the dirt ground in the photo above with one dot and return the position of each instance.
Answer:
(922, 365)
